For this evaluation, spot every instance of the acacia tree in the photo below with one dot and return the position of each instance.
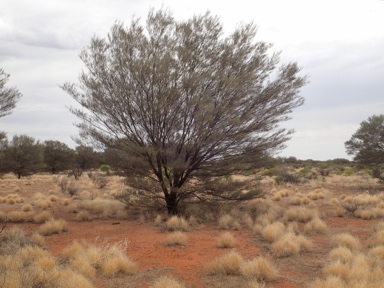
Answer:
(9, 96)
(367, 143)
(58, 156)
(23, 155)
(178, 100)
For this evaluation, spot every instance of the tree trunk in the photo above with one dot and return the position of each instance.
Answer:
(171, 200)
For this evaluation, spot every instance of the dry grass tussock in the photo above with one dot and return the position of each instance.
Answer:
(232, 263)
(109, 259)
(226, 240)
(20, 216)
(228, 264)
(177, 238)
(300, 214)
(176, 223)
(166, 282)
(24, 264)
(350, 266)
(347, 240)
(259, 268)
(105, 208)
(225, 222)
(290, 244)
(316, 226)
(42, 217)
(273, 231)
(53, 226)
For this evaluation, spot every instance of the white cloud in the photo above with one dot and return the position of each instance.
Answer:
(338, 44)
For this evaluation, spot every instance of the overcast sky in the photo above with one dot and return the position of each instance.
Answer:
(339, 45)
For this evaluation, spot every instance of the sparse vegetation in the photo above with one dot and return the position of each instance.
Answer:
(263, 228)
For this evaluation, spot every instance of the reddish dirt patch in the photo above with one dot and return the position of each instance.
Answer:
(146, 246)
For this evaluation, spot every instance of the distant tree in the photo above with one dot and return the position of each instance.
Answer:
(86, 158)
(23, 155)
(58, 156)
(180, 100)
(9, 96)
(367, 143)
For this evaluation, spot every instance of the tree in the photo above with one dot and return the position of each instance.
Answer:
(181, 101)
(22, 156)
(8, 96)
(86, 157)
(58, 156)
(367, 143)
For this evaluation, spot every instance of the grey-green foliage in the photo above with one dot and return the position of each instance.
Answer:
(367, 143)
(23, 155)
(180, 99)
(9, 96)
(58, 156)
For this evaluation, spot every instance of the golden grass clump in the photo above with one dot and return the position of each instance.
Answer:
(369, 214)
(158, 220)
(228, 264)
(334, 201)
(337, 269)
(20, 216)
(166, 282)
(66, 202)
(300, 214)
(118, 262)
(176, 223)
(225, 222)
(42, 217)
(273, 231)
(259, 268)
(26, 208)
(226, 240)
(108, 258)
(38, 239)
(247, 221)
(69, 279)
(316, 226)
(255, 284)
(53, 226)
(83, 216)
(53, 198)
(341, 254)
(290, 244)
(347, 240)
(316, 195)
(43, 203)
(177, 238)
(296, 200)
(329, 282)
(83, 266)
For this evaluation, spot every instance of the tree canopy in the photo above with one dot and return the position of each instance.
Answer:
(23, 155)
(58, 156)
(180, 100)
(367, 143)
(9, 96)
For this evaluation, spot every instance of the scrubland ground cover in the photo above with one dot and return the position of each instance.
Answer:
(322, 232)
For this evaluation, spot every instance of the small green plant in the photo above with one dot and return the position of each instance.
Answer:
(105, 168)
